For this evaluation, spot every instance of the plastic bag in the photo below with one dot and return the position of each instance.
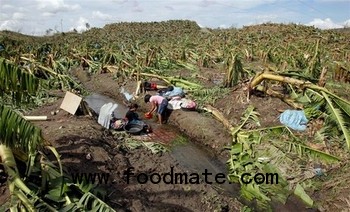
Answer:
(294, 119)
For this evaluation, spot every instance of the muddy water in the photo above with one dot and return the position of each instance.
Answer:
(196, 159)
(199, 160)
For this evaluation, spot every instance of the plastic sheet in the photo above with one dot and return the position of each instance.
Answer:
(294, 119)
(106, 114)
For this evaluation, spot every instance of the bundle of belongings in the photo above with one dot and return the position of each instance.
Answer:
(171, 92)
(174, 95)
(149, 86)
(176, 98)
(117, 123)
(182, 103)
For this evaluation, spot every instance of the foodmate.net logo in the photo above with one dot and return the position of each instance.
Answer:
(195, 178)
(172, 177)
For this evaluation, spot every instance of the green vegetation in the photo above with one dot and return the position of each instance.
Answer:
(42, 185)
(178, 52)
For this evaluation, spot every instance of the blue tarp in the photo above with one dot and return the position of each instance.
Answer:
(294, 119)
(177, 91)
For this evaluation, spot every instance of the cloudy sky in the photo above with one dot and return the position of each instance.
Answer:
(37, 17)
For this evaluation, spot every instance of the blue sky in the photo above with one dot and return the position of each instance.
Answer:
(36, 17)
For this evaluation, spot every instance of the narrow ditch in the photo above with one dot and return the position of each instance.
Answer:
(195, 158)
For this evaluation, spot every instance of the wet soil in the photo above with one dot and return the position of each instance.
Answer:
(203, 130)
(77, 137)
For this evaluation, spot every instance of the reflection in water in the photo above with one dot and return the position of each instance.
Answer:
(96, 101)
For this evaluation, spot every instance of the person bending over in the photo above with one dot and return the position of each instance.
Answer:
(131, 115)
(159, 103)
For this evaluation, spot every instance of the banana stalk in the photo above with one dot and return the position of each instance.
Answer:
(40, 66)
(281, 96)
(336, 113)
(218, 115)
(16, 185)
(174, 81)
(303, 84)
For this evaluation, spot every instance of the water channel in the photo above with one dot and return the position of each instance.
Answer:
(194, 157)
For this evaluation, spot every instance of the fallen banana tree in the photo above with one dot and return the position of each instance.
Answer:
(44, 185)
(218, 115)
(56, 76)
(173, 81)
(337, 108)
(271, 152)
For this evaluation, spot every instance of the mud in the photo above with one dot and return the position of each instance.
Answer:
(76, 137)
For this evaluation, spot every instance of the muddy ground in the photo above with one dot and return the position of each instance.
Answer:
(78, 137)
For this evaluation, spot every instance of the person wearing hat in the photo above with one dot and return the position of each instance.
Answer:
(159, 103)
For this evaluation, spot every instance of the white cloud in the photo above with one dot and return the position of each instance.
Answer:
(18, 16)
(6, 6)
(239, 4)
(100, 15)
(55, 6)
(223, 26)
(324, 24)
(347, 23)
(47, 14)
(119, 1)
(80, 25)
(11, 16)
(4, 16)
(11, 25)
(266, 18)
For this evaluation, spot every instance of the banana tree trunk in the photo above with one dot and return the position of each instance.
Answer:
(7, 158)
(303, 84)
(270, 76)
(218, 115)
(14, 180)
(281, 96)
(16, 185)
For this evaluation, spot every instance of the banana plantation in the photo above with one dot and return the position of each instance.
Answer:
(242, 81)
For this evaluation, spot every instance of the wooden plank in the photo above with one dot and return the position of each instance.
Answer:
(35, 118)
(70, 102)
